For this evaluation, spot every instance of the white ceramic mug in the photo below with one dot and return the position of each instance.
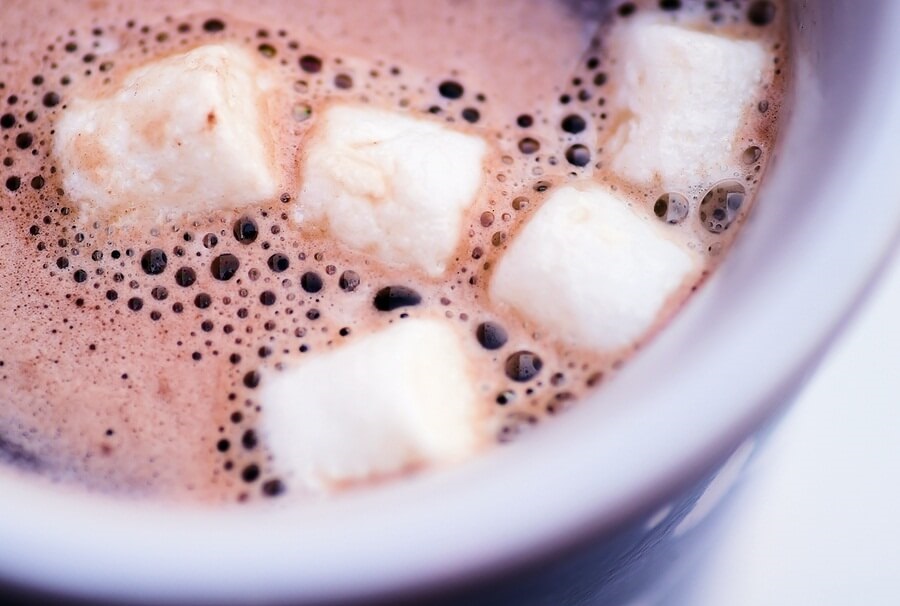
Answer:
(632, 458)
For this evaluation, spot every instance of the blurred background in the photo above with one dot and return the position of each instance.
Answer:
(815, 521)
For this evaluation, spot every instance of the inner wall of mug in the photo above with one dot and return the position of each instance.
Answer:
(821, 225)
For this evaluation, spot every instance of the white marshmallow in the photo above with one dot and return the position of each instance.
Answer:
(590, 271)
(391, 185)
(680, 99)
(389, 402)
(183, 134)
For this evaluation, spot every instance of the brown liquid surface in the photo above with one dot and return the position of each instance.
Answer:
(112, 386)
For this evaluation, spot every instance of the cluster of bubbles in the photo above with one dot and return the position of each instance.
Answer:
(252, 291)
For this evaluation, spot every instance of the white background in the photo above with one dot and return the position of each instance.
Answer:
(818, 520)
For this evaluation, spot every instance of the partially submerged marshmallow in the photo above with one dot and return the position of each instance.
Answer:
(389, 402)
(680, 101)
(183, 134)
(391, 185)
(591, 271)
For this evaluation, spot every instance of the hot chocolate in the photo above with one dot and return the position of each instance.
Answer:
(252, 249)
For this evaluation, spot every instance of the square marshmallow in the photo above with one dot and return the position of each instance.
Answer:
(183, 134)
(386, 403)
(681, 98)
(391, 185)
(589, 270)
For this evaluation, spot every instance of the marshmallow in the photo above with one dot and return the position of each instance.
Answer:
(386, 403)
(187, 133)
(391, 185)
(589, 270)
(681, 97)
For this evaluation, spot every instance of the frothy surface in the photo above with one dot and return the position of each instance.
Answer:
(133, 354)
